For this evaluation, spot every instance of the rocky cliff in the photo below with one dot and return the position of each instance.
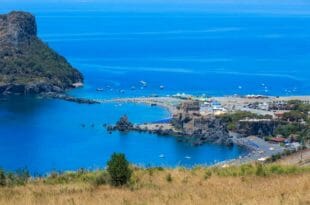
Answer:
(27, 65)
(261, 128)
(200, 129)
(187, 124)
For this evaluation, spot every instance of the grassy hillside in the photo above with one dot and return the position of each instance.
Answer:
(247, 184)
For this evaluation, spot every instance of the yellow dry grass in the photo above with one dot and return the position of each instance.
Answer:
(187, 187)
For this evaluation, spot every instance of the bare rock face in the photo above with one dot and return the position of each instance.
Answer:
(258, 128)
(27, 65)
(199, 129)
(17, 27)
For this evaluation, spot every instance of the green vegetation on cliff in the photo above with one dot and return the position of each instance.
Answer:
(36, 62)
(297, 121)
(232, 119)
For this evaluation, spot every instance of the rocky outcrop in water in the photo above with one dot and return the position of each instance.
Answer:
(27, 65)
(122, 125)
(200, 129)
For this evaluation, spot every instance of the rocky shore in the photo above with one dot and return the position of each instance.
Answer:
(62, 96)
(186, 124)
(254, 129)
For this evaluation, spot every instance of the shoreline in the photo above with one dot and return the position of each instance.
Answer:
(170, 103)
(258, 149)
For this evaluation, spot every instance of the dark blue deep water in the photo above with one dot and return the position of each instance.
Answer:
(198, 52)
(46, 135)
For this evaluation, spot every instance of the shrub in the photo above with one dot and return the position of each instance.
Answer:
(232, 119)
(247, 169)
(294, 116)
(134, 183)
(169, 178)
(275, 169)
(2, 178)
(118, 169)
(20, 177)
(260, 171)
(101, 179)
(275, 157)
(208, 174)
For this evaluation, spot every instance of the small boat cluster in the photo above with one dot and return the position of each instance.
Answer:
(142, 84)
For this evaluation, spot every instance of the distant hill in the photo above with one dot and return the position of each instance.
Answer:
(27, 65)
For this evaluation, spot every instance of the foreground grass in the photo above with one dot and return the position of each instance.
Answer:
(247, 184)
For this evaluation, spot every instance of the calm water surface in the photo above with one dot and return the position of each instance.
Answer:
(46, 135)
(194, 52)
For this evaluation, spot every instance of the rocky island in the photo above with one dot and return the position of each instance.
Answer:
(27, 65)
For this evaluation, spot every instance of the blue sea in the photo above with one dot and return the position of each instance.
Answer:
(216, 51)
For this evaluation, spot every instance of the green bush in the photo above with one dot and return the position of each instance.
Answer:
(294, 116)
(260, 171)
(277, 169)
(232, 119)
(208, 174)
(246, 169)
(169, 178)
(101, 179)
(118, 169)
(2, 178)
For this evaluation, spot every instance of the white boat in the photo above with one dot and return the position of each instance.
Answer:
(187, 157)
(162, 87)
(161, 156)
(144, 84)
(99, 89)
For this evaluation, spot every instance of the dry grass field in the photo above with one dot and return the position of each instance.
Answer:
(238, 185)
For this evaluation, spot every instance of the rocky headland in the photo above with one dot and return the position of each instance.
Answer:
(256, 129)
(27, 65)
(186, 124)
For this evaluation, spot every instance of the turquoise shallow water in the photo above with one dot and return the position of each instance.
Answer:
(218, 52)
